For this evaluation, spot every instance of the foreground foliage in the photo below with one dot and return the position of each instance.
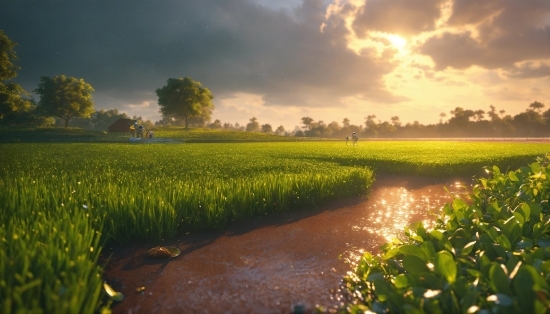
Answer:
(489, 253)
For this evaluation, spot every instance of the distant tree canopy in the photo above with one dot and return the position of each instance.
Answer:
(185, 99)
(65, 97)
(533, 122)
(267, 128)
(11, 101)
(253, 126)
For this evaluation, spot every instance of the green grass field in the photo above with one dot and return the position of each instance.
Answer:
(63, 201)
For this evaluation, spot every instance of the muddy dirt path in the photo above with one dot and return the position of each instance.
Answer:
(271, 264)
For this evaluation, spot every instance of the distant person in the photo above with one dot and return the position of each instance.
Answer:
(140, 131)
(354, 138)
(132, 130)
(347, 140)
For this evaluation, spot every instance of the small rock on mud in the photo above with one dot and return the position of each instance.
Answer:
(159, 252)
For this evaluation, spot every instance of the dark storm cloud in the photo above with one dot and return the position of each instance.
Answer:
(128, 49)
(403, 17)
(510, 31)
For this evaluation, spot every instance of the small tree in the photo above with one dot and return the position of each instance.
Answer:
(395, 121)
(185, 98)
(307, 121)
(217, 124)
(65, 97)
(253, 126)
(346, 122)
(266, 128)
(11, 102)
(441, 117)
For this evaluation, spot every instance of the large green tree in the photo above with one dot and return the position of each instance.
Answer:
(11, 102)
(65, 97)
(185, 98)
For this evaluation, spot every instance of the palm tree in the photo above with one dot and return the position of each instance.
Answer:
(442, 116)
(536, 106)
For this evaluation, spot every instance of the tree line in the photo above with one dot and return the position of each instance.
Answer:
(533, 122)
(185, 102)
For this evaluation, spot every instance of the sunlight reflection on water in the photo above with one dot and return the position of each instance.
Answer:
(391, 209)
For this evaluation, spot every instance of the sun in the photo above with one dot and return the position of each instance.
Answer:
(397, 41)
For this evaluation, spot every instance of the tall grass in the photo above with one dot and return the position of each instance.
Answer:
(48, 253)
(62, 202)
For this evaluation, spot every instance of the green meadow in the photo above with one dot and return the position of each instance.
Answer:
(61, 202)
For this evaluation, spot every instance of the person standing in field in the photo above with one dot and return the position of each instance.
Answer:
(347, 140)
(132, 130)
(354, 138)
(140, 131)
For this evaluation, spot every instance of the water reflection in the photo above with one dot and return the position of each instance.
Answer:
(392, 208)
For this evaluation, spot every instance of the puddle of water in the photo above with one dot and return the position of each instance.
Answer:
(270, 264)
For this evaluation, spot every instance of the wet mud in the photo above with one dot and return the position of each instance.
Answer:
(276, 263)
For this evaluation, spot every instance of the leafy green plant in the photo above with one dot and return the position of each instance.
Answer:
(488, 253)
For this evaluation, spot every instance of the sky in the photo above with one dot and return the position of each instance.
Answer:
(279, 61)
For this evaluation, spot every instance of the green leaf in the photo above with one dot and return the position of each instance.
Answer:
(535, 167)
(428, 249)
(401, 281)
(512, 230)
(504, 242)
(468, 248)
(543, 242)
(413, 250)
(536, 209)
(488, 245)
(391, 253)
(526, 211)
(520, 218)
(458, 204)
(501, 299)
(444, 244)
(415, 265)
(512, 176)
(499, 278)
(114, 295)
(375, 276)
(525, 286)
(386, 292)
(445, 265)
(500, 250)
(437, 234)
(525, 243)
(493, 233)
(474, 272)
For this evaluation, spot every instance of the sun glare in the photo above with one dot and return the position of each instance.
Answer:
(397, 41)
